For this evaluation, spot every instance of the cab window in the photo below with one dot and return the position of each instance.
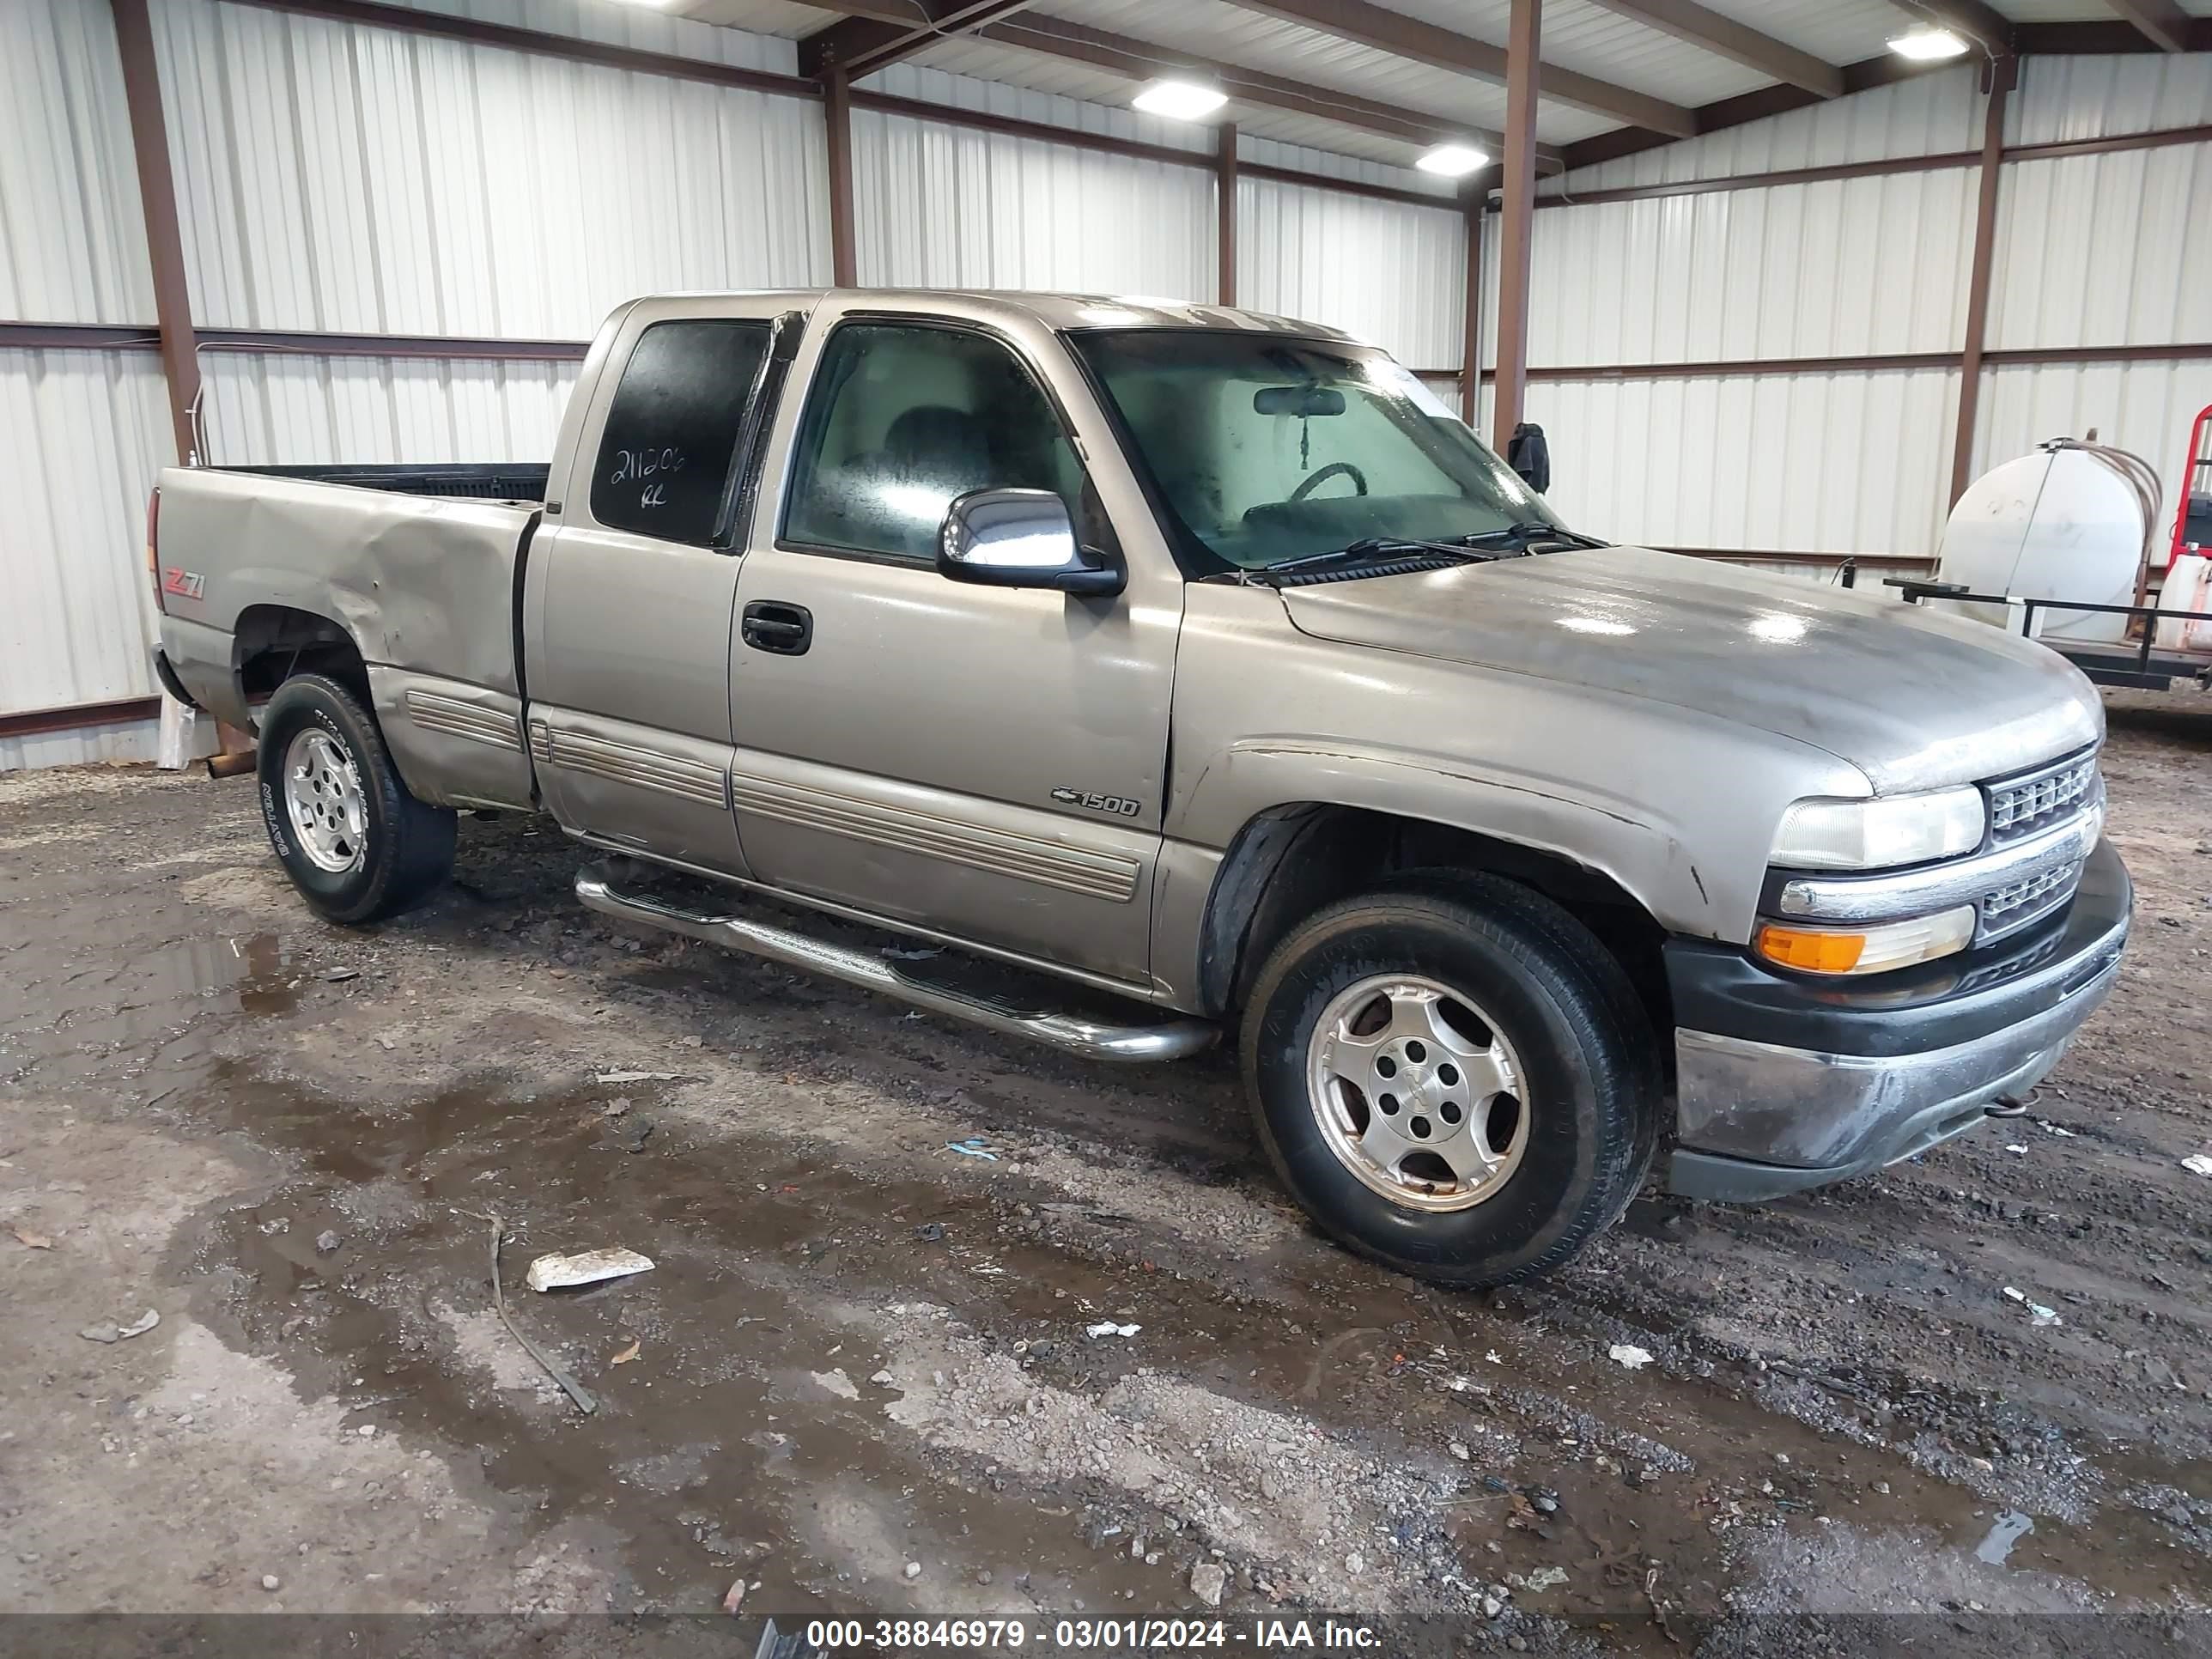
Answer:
(671, 431)
(902, 420)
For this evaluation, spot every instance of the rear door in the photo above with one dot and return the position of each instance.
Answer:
(981, 762)
(630, 592)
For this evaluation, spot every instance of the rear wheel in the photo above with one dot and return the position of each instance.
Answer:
(356, 844)
(1452, 1077)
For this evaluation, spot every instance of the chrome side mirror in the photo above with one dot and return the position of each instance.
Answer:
(1018, 538)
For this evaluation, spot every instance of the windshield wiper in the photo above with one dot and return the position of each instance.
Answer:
(1369, 547)
(1527, 531)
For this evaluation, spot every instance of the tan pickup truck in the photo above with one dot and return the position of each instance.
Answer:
(1193, 671)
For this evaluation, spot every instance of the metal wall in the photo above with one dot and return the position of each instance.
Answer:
(82, 432)
(280, 408)
(1387, 271)
(937, 205)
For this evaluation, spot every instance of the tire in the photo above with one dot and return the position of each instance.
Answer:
(1574, 1130)
(393, 850)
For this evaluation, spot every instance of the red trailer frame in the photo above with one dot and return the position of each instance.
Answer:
(2199, 460)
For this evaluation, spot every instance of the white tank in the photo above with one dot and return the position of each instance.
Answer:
(2188, 587)
(2056, 525)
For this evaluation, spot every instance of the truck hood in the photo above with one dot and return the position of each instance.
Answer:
(1913, 699)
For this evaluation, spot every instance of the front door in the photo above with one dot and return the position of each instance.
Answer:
(631, 588)
(983, 762)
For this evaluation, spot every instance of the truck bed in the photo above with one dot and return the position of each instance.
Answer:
(501, 481)
(416, 567)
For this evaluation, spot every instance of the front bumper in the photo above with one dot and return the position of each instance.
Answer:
(1784, 1082)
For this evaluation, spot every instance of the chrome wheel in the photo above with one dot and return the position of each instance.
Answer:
(1417, 1093)
(324, 798)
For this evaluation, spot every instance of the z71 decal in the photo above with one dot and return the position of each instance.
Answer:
(184, 584)
(1120, 805)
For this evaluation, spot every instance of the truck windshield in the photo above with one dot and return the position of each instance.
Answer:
(1264, 448)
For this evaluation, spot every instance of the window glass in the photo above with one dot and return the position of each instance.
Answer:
(672, 432)
(900, 421)
(1265, 448)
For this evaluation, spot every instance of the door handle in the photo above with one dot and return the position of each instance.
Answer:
(771, 625)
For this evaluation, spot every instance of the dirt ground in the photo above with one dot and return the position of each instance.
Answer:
(860, 1379)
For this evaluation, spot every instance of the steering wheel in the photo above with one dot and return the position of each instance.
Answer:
(1315, 481)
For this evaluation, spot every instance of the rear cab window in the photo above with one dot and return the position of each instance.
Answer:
(670, 438)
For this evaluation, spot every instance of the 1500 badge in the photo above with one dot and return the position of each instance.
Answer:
(1120, 805)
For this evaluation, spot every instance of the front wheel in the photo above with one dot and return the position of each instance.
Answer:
(1452, 1077)
(356, 844)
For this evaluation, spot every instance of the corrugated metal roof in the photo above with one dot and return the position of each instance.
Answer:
(337, 177)
(72, 241)
(1109, 116)
(762, 16)
(82, 435)
(1011, 66)
(1840, 31)
(650, 28)
(1591, 41)
(1213, 30)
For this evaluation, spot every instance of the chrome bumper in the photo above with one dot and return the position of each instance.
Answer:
(1757, 1117)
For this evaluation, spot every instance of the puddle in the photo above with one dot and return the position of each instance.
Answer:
(2009, 1528)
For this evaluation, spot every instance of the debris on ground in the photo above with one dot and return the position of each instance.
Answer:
(108, 1333)
(616, 1107)
(561, 1273)
(1209, 1580)
(2007, 1529)
(971, 1147)
(835, 1381)
(2041, 1314)
(913, 1568)
(930, 1233)
(735, 1599)
(30, 1239)
(1108, 1328)
(635, 1077)
(339, 975)
(883, 1380)
(326, 1242)
(2197, 1164)
(1546, 1578)
(576, 1391)
(625, 1356)
(1625, 1353)
(2050, 1128)
(272, 1582)
(2017, 1150)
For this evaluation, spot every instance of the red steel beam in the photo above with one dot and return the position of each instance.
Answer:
(157, 198)
(2002, 73)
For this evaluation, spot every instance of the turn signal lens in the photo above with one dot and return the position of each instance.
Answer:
(1867, 950)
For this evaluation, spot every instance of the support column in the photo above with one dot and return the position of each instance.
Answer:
(2002, 72)
(1470, 370)
(157, 197)
(1523, 44)
(1225, 209)
(838, 112)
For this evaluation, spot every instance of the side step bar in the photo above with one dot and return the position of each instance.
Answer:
(1168, 1039)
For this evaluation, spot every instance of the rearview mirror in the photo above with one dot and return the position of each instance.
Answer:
(1018, 538)
(1298, 400)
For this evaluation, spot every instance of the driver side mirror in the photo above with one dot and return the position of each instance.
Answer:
(1019, 538)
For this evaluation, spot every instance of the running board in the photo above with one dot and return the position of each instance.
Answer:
(1167, 1039)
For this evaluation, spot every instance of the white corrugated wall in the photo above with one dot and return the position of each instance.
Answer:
(82, 432)
(936, 205)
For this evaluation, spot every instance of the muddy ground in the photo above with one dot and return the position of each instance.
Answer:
(858, 1379)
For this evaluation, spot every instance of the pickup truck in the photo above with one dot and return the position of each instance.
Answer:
(1192, 671)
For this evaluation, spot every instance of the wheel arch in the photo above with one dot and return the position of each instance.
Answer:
(272, 642)
(1288, 860)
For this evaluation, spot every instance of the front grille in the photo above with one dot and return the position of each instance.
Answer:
(2020, 807)
(2014, 906)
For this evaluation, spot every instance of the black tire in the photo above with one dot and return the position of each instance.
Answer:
(1554, 993)
(408, 851)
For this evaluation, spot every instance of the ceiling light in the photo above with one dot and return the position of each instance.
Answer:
(1453, 160)
(1180, 100)
(1927, 46)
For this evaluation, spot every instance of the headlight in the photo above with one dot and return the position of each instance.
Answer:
(1878, 833)
(1867, 950)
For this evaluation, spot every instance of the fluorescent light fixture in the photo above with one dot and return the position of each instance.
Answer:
(1453, 160)
(1180, 100)
(1927, 46)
